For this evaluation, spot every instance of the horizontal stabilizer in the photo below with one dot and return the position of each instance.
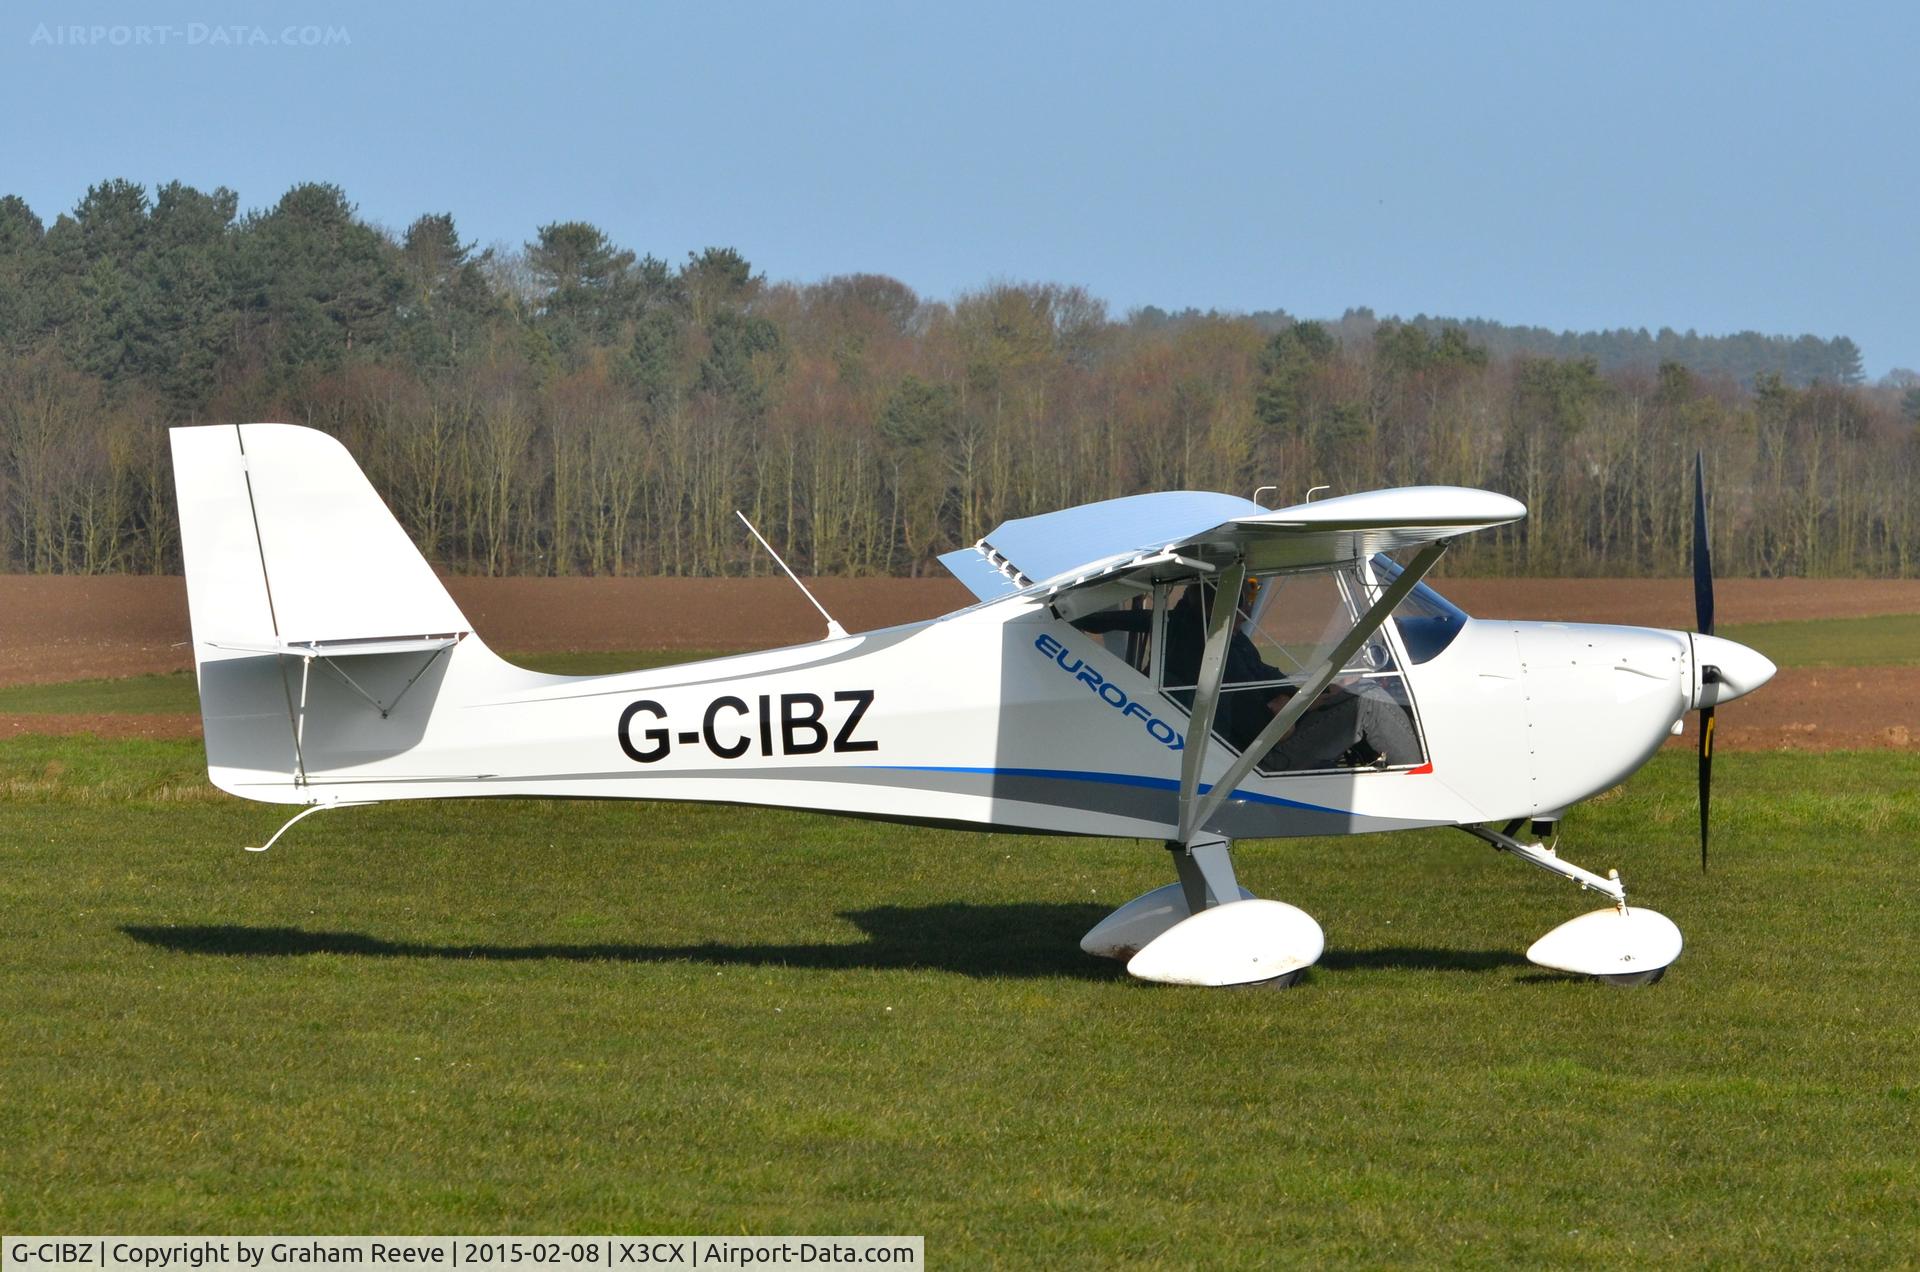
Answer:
(341, 648)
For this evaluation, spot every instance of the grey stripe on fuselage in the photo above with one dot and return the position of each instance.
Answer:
(1237, 818)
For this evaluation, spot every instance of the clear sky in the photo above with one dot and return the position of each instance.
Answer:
(1714, 166)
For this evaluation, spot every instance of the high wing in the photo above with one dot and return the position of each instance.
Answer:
(1152, 539)
(1162, 537)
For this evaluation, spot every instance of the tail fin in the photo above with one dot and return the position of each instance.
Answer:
(285, 540)
(291, 557)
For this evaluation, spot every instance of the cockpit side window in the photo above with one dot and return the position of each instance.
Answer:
(1286, 625)
(1126, 629)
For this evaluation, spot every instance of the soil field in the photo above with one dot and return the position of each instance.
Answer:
(65, 628)
(68, 628)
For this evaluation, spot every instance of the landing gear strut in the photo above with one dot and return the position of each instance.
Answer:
(1619, 945)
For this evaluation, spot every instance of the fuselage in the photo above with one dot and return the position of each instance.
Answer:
(1000, 715)
(334, 666)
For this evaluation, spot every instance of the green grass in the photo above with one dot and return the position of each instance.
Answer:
(123, 695)
(557, 1017)
(175, 692)
(1892, 640)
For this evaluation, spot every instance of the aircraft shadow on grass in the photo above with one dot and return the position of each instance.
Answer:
(1018, 940)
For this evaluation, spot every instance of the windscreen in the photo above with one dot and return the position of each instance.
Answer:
(1427, 621)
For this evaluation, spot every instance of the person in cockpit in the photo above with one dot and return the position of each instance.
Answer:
(1351, 725)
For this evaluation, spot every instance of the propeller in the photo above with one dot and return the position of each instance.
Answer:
(1703, 623)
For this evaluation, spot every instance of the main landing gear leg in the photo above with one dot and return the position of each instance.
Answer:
(1619, 945)
(1206, 873)
(1207, 929)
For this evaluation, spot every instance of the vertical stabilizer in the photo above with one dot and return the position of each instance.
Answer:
(285, 539)
(295, 568)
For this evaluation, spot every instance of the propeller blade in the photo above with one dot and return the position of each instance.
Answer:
(1706, 778)
(1702, 552)
(1703, 623)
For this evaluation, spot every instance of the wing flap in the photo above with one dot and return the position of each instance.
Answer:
(981, 576)
(1073, 540)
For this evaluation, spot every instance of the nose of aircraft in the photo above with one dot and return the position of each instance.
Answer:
(1740, 670)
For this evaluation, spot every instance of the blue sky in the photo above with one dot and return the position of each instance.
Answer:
(1712, 166)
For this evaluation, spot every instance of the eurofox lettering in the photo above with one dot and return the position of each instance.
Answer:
(1111, 694)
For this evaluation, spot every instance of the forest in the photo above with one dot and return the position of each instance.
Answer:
(572, 406)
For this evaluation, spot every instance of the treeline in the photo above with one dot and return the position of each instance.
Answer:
(1746, 357)
(573, 407)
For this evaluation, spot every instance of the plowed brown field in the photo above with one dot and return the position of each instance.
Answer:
(64, 628)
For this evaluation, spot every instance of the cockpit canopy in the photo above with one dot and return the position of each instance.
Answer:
(1285, 625)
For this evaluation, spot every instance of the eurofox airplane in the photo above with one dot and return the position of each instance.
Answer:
(1187, 668)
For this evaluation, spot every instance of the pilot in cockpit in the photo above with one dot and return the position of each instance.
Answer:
(1351, 725)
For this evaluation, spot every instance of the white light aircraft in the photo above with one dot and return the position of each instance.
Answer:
(1187, 668)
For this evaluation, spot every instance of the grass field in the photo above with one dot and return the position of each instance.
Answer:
(509, 1016)
(1889, 641)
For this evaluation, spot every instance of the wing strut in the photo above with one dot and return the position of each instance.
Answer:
(1196, 807)
(1206, 694)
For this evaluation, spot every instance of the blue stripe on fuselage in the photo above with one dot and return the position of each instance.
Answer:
(1113, 779)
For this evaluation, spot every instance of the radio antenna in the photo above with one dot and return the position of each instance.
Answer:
(834, 630)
